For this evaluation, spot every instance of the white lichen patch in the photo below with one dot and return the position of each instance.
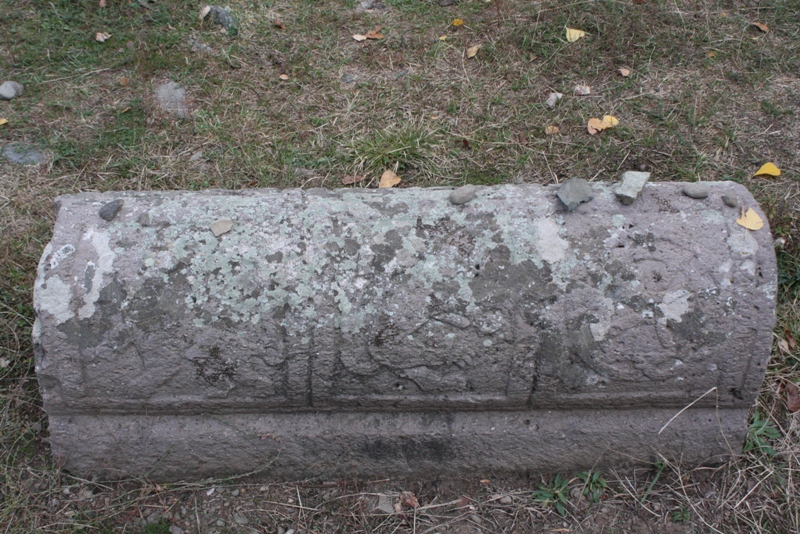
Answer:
(54, 296)
(674, 305)
(550, 246)
(103, 265)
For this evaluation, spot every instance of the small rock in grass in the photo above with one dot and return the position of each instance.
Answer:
(220, 523)
(445, 3)
(367, 5)
(172, 98)
(240, 519)
(552, 100)
(575, 191)
(506, 500)
(223, 17)
(695, 190)
(110, 209)
(632, 184)
(349, 78)
(10, 90)
(463, 194)
(221, 226)
(731, 200)
(175, 529)
(23, 154)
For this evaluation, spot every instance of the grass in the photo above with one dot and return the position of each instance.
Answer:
(709, 97)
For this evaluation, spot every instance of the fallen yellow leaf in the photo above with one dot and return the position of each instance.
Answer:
(573, 34)
(102, 37)
(594, 126)
(457, 22)
(768, 169)
(3, 121)
(609, 121)
(750, 220)
(358, 37)
(551, 130)
(388, 179)
(443, 38)
(374, 34)
(761, 26)
(710, 54)
(473, 51)
(625, 72)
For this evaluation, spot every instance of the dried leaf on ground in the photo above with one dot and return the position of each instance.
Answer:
(284, 76)
(768, 169)
(205, 11)
(473, 51)
(594, 126)
(3, 121)
(783, 345)
(347, 180)
(710, 54)
(374, 34)
(761, 26)
(597, 125)
(102, 37)
(624, 72)
(750, 220)
(609, 121)
(582, 90)
(442, 37)
(573, 34)
(408, 500)
(457, 23)
(102, 3)
(790, 338)
(388, 179)
(279, 24)
(551, 130)
(358, 37)
(792, 397)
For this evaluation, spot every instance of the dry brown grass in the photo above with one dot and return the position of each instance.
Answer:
(415, 103)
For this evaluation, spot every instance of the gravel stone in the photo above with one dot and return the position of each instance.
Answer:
(223, 17)
(695, 190)
(175, 529)
(171, 97)
(110, 210)
(506, 500)
(731, 200)
(23, 154)
(10, 90)
(575, 191)
(219, 227)
(240, 519)
(463, 194)
(632, 184)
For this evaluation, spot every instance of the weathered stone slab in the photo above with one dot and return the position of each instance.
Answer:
(352, 321)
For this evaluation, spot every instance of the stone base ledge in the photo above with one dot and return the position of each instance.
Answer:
(294, 446)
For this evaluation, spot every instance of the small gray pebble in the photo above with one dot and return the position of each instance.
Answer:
(110, 210)
(10, 90)
(463, 194)
(175, 529)
(695, 190)
(349, 78)
(575, 191)
(730, 200)
(220, 523)
(235, 493)
(240, 519)
(506, 500)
